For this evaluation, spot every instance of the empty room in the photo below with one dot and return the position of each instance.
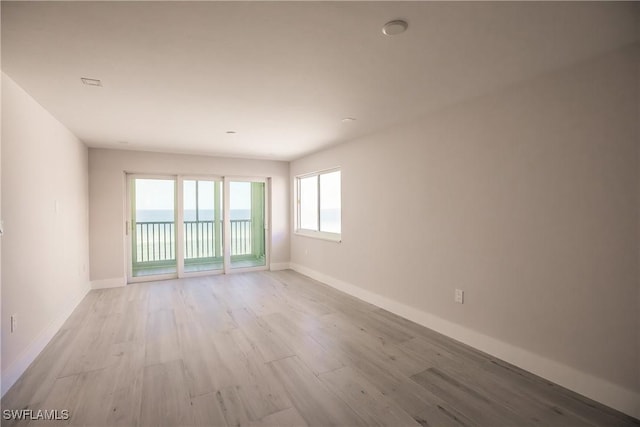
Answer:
(320, 213)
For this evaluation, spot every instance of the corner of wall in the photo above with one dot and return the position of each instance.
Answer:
(29, 354)
(115, 282)
(277, 266)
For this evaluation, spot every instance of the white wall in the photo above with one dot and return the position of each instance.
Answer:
(45, 263)
(107, 200)
(528, 200)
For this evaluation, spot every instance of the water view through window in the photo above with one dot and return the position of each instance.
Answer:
(154, 218)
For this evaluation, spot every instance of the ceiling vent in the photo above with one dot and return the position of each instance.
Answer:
(90, 82)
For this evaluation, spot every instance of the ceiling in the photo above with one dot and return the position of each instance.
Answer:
(177, 76)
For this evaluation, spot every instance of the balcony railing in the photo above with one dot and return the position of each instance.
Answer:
(155, 240)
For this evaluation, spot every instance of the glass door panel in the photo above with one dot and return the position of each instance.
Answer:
(247, 220)
(153, 237)
(203, 225)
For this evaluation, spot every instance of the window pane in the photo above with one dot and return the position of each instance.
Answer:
(240, 200)
(202, 234)
(247, 201)
(206, 199)
(153, 242)
(309, 203)
(330, 202)
(189, 194)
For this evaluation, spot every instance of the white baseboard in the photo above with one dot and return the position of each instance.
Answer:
(276, 266)
(115, 282)
(598, 389)
(29, 354)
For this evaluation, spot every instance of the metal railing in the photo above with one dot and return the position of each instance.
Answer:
(200, 241)
(155, 240)
(241, 237)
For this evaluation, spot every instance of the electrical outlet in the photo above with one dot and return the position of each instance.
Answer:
(14, 323)
(459, 296)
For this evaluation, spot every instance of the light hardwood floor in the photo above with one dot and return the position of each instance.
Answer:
(276, 348)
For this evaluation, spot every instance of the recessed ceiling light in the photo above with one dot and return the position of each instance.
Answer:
(90, 82)
(231, 132)
(393, 28)
(348, 120)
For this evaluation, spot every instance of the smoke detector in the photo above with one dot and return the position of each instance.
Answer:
(395, 27)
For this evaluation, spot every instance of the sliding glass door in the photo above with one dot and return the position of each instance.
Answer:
(203, 225)
(153, 230)
(247, 224)
(187, 226)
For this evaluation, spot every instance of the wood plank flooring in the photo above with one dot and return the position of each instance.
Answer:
(276, 348)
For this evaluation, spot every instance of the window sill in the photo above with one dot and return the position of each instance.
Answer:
(332, 237)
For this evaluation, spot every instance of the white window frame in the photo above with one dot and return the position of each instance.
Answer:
(325, 235)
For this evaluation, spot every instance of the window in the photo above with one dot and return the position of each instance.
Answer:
(319, 204)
